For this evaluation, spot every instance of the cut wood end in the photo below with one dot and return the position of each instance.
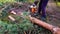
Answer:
(13, 12)
(10, 17)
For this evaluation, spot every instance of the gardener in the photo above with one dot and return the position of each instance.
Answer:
(42, 7)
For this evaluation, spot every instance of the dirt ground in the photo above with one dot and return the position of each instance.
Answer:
(53, 13)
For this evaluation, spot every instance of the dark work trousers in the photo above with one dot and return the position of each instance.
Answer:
(42, 7)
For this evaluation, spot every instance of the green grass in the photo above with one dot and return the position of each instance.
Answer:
(31, 1)
(4, 1)
(58, 4)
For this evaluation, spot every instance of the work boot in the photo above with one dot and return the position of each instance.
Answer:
(44, 19)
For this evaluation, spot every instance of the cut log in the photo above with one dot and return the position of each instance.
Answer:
(10, 17)
(54, 29)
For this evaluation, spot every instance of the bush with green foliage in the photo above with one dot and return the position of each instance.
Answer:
(5, 1)
(22, 25)
(31, 1)
(14, 28)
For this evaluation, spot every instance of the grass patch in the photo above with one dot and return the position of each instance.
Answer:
(58, 4)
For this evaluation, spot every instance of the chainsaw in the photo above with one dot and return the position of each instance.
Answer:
(33, 10)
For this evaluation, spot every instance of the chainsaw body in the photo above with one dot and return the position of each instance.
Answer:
(33, 10)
